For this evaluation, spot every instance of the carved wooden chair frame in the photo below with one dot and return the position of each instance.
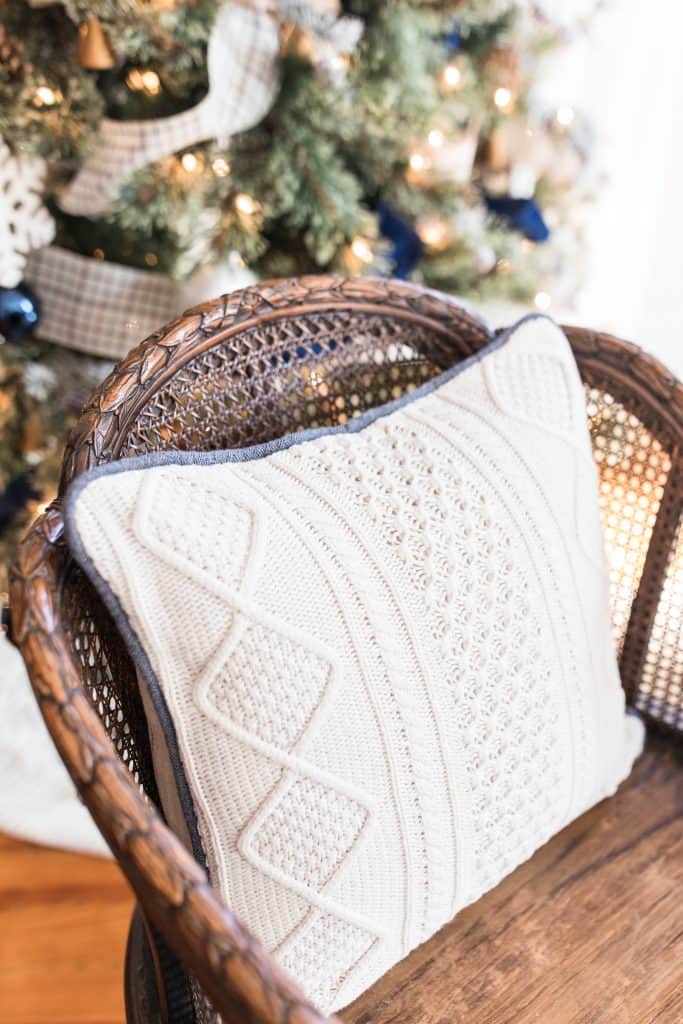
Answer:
(240, 978)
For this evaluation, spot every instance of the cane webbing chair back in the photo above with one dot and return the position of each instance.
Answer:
(251, 366)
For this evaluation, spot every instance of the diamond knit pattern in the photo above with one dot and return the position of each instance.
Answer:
(310, 831)
(328, 932)
(386, 653)
(270, 686)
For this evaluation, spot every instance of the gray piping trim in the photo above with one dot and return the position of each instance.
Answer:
(185, 458)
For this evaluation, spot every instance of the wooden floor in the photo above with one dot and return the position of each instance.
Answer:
(590, 931)
(63, 926)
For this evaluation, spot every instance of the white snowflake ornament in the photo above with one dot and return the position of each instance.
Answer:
(25, 223)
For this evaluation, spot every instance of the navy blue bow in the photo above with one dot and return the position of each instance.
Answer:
(522, 215)
(406, 245)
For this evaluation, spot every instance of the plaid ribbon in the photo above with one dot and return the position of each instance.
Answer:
(104, 308)
(243, 72)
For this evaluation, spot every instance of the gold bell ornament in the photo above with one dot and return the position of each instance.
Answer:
(93, 50)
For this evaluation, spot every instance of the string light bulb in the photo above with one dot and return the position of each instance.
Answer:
(564, 115)
(190, 162)
(451, 76)
(435, 138)
(245, 204)
(143, 81)
(362, 249)
(502, 97)
(150, 82)
(434, 233)
(418, 162)
(220, 167)
(542, 301)
(46, 97)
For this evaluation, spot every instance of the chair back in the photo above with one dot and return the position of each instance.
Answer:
(260, 363)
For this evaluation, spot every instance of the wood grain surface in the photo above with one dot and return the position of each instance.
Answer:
(590, 931)
(63, 926)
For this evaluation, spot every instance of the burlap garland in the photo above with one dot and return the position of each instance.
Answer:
(104, 308)
(243, 71)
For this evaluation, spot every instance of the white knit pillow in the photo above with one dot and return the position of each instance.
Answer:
(379, 657)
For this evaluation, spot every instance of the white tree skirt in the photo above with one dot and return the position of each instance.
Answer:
(38, 801)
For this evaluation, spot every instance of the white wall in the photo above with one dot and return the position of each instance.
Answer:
(629, 77)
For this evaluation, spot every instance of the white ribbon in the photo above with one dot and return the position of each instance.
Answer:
(106, 309)
(242, 64)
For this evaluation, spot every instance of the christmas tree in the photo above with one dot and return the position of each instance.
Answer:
(154, 153)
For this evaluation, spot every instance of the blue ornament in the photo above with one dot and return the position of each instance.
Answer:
(14, 498)
(521, 214)
(406, 245)
(19, 312)
(453, 39)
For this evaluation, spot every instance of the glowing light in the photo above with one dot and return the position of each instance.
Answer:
(221, 167)
(564, 116)
(362, 249)
(190, 162)
(245, 204)
(134, 80)
(434, 233)
(143, 81)
(417, 162)
(542, 300)
(452, 76)
(435, 138)
(502, 97)
(151, 259)
(339, 62)
(46, 97)
(150, 82)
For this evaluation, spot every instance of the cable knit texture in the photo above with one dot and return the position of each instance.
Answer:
(387, 654)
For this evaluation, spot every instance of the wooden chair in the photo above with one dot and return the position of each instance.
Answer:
(269, 360)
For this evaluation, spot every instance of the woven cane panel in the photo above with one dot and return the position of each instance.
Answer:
(276, 379)
(285, 376)
(108, 676)
(633, 468)
(661, 687)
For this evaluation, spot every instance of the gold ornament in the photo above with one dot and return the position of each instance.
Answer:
(93, 50)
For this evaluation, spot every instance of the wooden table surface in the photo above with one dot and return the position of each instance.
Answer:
(590, 931)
